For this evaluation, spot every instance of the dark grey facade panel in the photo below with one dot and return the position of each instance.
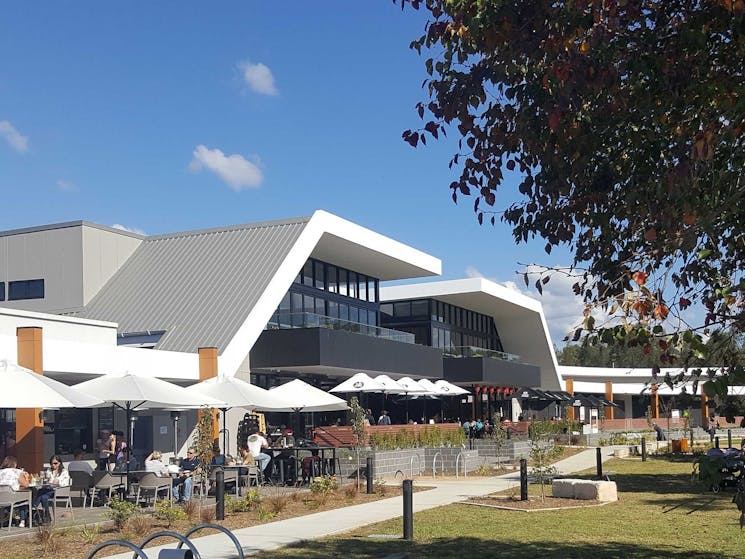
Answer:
(303, 347)
(198, 287)
(494, 372)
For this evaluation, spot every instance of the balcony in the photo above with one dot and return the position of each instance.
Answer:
(486, 366)
(283, 321)
(457, 352)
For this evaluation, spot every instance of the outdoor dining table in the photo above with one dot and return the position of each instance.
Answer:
(328, 467)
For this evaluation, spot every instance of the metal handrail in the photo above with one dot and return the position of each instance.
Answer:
(418, 463)
(219, 528)
(168, 533)
(457, 461)
(111, 543)
(434, 464)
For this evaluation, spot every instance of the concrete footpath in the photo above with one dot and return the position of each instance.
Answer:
(312, 526)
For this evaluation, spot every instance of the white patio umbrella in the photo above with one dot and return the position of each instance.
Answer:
(24, 388)
(409, 386)
(303, 397)
(450, 389)
(235, 392)
(360, 382)
(390, 386)
(132, 392)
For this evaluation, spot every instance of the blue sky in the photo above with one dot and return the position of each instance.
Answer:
(170, 116)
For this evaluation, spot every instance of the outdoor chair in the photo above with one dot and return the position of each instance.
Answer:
(82, 482)
(151, 482)
(231, 476)
(107, 482)
(13, 499)
(62, 494)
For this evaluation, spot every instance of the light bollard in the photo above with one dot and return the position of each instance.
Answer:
(220, 494)
(408, 494)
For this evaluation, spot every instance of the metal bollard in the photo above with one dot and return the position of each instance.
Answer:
(729, 438)
(523, 479)
(408, 492)
(716, 442)
(599, 461)
(220, 494)
(691, 439)
(644, 449)
(370, 475)
(175, 554)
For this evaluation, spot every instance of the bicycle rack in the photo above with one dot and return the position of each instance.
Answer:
(111, 543)
(457, 461)
(222, 529)
(418, 463)
(183, 540)
(434, 464)
(168, 533)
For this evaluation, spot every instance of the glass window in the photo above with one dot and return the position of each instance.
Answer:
(333, 309)
(296, 300)
(2, 291)
(354, 313)
(387, 309)
(320, 275)
(320, 306)
(362, 287)
(402, 308)
(26, 289)
(353, 284)
(298, 278)
(371, 290)
(308, 273)
(446, 317)
(343, 311)
(309, 303)
(331, 273)
(436, 337)
(343, 283)
(446, 338)
(420, 308)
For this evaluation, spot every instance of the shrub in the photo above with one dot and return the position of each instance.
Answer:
(277, 503)
(121, 511)
(49, 539)
(191, 509)
(138, 525)
(380, 487)
(324, 485)
(350, 492)
(168, 511)
(90, 534)
(265, 515)
(207, 515)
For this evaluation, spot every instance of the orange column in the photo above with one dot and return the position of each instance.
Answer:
(609, 397)
(207, 370)
(704, 410)
(570, 390)
(29, 424)
(655, 402)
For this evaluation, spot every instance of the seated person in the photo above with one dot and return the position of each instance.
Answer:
(256, 444)
(154, 463)
(218, 459)
(79, 464)
(17, 479)
(57, 476)
(183, 483)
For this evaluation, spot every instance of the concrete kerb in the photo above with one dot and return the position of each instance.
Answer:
(274, 535)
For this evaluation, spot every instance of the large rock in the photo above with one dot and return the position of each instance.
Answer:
(586, 490)
(563, 488)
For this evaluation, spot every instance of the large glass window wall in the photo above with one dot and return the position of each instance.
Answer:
(442, 325)
(328, 290)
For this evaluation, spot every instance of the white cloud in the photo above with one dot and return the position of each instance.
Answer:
(258, 77)
(562, 308)
(16, 140)
(234, 170)
(67, 186)
(129, 229)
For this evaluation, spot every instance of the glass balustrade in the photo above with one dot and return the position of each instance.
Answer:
(470, 351)
(281, 321)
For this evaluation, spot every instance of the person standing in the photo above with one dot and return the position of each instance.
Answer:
(369, 417)
(384, 418)
(658, 431)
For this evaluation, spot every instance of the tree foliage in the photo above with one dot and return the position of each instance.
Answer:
(621, 123)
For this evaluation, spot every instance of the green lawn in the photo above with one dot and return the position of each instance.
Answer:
(658, 514)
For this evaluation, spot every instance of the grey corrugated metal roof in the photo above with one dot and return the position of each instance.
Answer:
(197, 286)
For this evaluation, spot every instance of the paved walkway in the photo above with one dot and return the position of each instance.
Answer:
(284, 532)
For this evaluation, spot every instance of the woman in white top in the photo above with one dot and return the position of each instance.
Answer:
(154, 464)
(56, 476)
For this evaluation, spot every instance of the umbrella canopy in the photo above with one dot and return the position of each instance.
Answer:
(359, 383)
(235, 392)
(410, 386)
(431, 388)
(450, 389)
(24, 388)
(301, 396)
(390, 386)
(132, 392)
(527, 393)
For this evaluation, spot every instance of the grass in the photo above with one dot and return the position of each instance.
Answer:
(659, 515)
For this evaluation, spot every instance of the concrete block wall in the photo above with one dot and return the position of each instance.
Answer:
(449, 456)
(512, 449)
(386, 463)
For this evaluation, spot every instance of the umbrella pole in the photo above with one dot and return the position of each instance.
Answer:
(406, 405)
